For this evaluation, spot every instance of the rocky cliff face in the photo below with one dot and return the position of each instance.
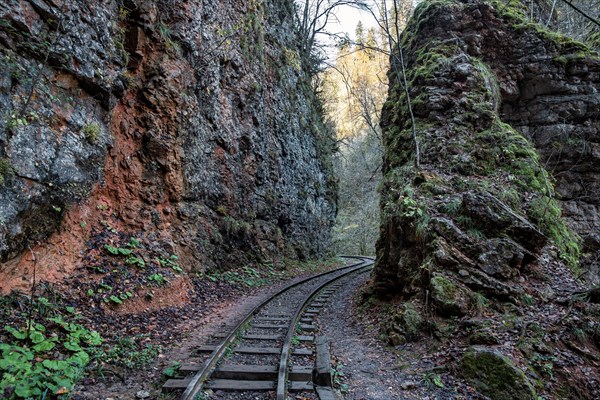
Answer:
(503, 194)
(191, 124)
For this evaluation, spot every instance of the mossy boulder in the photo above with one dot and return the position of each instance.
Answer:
(483, 336)
(450, 298)
(494, 375)
(403, 324)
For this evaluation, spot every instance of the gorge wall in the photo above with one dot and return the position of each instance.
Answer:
(507, 118)
(497, 194)
(189, 124)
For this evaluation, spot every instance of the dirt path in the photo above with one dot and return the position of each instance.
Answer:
(366, 368)
(369, 370)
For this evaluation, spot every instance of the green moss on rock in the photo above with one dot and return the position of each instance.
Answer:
(6, 170)
(449, 298)
(403, 324)
(495, 375)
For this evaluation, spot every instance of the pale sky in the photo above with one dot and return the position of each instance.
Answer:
(348, 18)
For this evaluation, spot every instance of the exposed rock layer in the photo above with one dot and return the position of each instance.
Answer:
(191, 123)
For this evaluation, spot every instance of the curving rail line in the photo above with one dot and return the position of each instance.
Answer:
(300, 295)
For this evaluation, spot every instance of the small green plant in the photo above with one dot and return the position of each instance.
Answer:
(167, 37)
(91, 132)
(435, 379)
(158, 278)
(16, 121)
(172, 370)
(136, 261)
(134, 243)
(543, 364)
(129, 352)
(339, 377)
(117, 250)
(170, 262)
(475, 234)
(114, 299)
(46, 357)
(411, 208)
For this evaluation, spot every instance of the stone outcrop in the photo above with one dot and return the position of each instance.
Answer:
(484, 210)
(495, 100)
(192, 124)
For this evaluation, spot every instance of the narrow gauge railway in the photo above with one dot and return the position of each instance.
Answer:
(275, 349)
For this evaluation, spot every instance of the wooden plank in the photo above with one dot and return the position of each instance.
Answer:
(176, 384)
(257, 350)
(316, 304)
(325, 393)
(313, 310)
(306, 320)
(306, 338)
(294, 386)
(269, 326)
(301, 373)
(246, 372)
(233, 385)
(302, 352)
(261, 337)
(323, 362)
(244, 349)
(279, 312)
(284, 319)
(308, 328)
(256, 336)
(191, 367)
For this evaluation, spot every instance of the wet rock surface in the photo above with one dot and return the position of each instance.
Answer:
(169, 118)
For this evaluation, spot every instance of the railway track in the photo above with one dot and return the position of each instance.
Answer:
(274, 350)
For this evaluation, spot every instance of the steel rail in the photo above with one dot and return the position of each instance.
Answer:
(197, 382)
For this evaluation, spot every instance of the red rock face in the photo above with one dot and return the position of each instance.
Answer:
(165, 123)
